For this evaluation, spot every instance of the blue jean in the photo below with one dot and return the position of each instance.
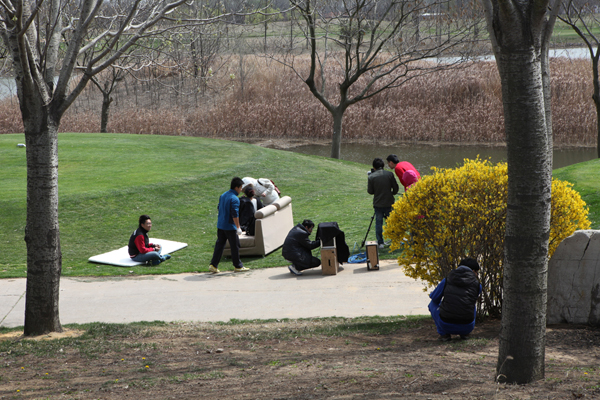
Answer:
(445, 328)
(150, 256)
(380, 214)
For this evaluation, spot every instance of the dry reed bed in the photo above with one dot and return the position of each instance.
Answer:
(461, 106)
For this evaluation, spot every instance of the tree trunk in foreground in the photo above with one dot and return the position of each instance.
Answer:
(596, 97)
(520, 31)
(44, 260)
(522, 339)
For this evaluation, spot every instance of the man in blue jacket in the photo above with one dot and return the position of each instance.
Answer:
(228, 227)
(453, 302)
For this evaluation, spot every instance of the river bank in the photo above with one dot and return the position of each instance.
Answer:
(287, 144)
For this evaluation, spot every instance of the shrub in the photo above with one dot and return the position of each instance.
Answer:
(461, 212)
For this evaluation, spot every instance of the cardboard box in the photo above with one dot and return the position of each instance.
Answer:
(372, 255)
(329, 262)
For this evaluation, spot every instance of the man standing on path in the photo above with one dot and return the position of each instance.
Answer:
(453, 302)
(383, 186)
(228, 227)
(400, 167)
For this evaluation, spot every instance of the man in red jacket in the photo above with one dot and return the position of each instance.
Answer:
(400, 167)
(140, 248)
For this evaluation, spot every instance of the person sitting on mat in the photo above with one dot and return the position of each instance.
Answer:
(297, 248)
(140, 248)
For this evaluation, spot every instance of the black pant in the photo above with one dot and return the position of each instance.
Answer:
(314, 263)
(234, 243)
(303, 261)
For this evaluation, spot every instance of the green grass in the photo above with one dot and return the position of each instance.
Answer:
(584, 177)
(106, 181)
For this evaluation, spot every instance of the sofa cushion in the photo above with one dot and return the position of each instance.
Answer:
(246, 241)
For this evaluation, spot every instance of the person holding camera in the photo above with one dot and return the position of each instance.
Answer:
(453, 305)
(383, 186)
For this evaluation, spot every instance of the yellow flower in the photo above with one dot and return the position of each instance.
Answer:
(460, 212)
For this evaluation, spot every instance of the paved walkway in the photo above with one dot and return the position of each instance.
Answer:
(262, 293)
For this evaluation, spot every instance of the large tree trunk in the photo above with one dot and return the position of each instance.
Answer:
(44, 260)
(522, 339)
(596, 97)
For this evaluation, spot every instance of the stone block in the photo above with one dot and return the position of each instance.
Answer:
(574, 280)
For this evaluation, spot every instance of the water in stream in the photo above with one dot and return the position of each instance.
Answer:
(423, 157)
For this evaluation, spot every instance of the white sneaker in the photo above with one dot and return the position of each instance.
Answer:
(293, 270)
(381, 245)
(213, 269)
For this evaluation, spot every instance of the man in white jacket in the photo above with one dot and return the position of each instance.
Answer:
(264, 189)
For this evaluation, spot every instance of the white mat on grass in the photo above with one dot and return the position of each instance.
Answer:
(120, 257)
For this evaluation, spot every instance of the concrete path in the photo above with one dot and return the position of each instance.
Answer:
(257, 294)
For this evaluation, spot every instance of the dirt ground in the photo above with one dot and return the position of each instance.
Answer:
(300, 359)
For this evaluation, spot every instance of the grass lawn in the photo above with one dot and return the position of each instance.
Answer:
(107, 180)
(584, 177)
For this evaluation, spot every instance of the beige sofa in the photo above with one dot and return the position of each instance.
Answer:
(273, 222)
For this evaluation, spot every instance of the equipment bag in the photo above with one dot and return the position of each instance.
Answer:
(276, 188)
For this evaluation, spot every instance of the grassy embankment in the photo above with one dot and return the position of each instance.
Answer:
(106, 181)
(584, 177)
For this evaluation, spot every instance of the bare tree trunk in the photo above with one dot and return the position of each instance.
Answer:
(106, 100)
(522, 339)
(42, 236)
(596, 97)
(336, 139)
(520, 32)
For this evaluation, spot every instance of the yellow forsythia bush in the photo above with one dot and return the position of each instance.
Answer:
(461, 212)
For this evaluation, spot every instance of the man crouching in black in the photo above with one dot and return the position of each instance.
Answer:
(297, 248)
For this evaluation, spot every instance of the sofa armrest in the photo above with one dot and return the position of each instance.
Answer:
(265, 211)
(282, 202)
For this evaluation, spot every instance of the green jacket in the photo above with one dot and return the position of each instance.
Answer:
(382, 184)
